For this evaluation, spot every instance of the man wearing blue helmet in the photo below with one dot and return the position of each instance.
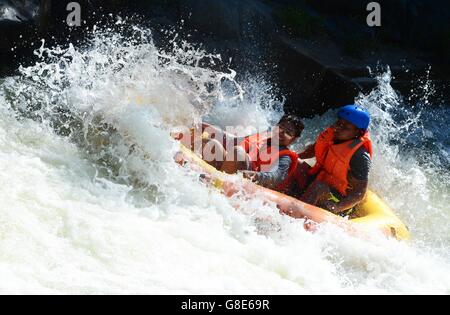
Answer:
(344, 156)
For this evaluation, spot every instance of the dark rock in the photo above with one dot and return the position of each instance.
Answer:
(16, 39)
(221, 18)
(314, 69)
(311, 87)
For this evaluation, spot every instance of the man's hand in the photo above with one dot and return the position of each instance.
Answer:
(176, 135)
(331, 206)
(179, 158)
(188, 138)
(249, 175)
(308, 153)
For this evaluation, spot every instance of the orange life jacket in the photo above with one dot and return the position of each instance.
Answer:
(260, 153)
(333, 160)
(263, 157)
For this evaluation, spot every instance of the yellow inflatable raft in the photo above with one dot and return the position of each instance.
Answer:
(371, 214)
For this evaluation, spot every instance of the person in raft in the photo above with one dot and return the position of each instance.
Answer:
(343, 155)
(264, 158)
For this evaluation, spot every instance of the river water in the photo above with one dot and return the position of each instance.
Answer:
(92, 202)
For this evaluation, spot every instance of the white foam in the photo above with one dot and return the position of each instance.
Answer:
(150, 226)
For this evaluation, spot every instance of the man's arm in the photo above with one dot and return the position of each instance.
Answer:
(308, 153)
(355, 196)
(274, 177)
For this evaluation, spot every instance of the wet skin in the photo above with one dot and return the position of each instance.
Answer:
(344, 131)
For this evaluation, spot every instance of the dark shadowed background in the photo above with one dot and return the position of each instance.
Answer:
(316, 51)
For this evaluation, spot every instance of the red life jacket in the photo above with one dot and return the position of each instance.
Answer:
(263, 157)
(333, 160)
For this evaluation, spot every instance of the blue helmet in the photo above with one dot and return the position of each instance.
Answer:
(356, 115)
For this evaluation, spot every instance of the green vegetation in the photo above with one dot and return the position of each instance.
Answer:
(300, 23)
